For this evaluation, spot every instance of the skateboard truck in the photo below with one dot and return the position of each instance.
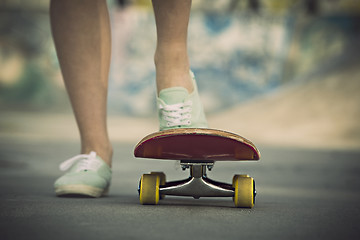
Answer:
(198, 184)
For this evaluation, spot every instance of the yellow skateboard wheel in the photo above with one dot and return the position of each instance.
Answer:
(162, 180)
(161, 175)
(149, 189)
(244, 195)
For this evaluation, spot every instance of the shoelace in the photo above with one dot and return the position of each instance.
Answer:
(85, 162)
(177, 114)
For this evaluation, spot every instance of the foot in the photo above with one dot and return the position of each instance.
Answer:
(87, 175)
(180, 109)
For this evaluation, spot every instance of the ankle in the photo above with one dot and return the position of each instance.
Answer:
(105, 152)
(169, 79)
(172, 70)
(171, 55)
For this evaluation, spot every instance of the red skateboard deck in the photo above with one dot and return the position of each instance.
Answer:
(196, 144)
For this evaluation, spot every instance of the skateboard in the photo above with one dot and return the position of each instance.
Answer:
(197, 149)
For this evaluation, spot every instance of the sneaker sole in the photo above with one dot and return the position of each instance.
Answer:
(79, 189)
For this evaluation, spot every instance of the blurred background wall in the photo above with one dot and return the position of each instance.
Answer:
(241, 50)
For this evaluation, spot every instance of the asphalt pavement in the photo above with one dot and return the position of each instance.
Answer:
(302, 194)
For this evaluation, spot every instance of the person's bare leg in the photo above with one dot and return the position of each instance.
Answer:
(81, 31)
(171, 57)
